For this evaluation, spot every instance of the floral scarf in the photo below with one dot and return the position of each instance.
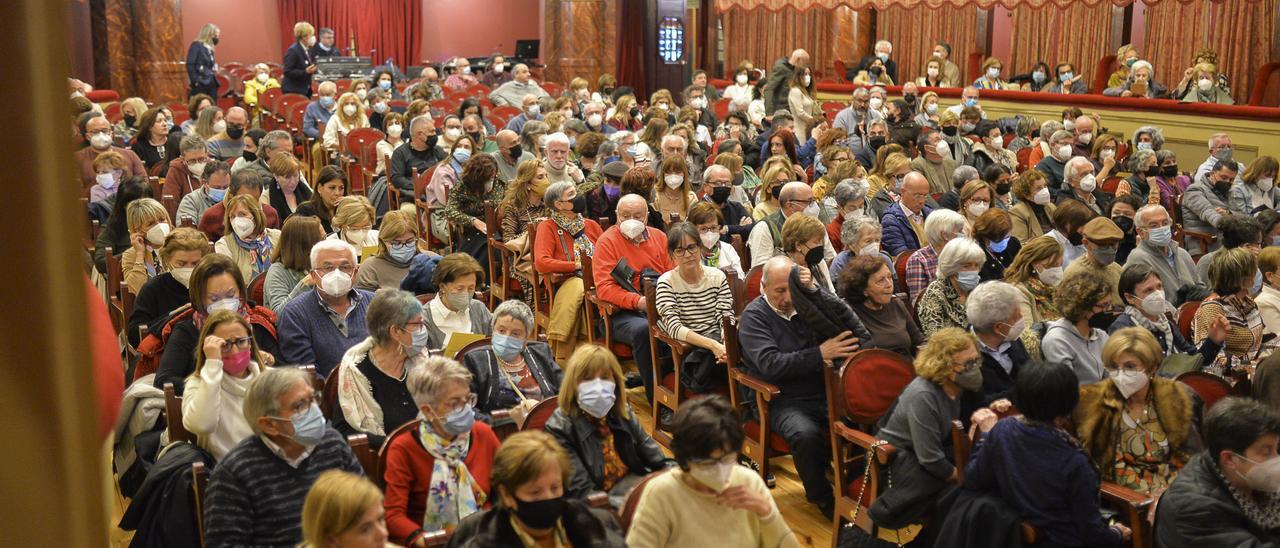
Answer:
(1264, 513)
(576, 228)
(614, 468)
(1043, 296)
(454, 494)
(259, 252)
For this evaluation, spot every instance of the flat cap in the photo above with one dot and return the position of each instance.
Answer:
(615, 170)
(1102, 229)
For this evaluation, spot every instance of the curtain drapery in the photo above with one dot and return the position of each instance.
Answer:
(1240, 32)
(631, 48)
(762, 36)
(1078, 34)
(392, 28)
(914, 31)
(776, 5)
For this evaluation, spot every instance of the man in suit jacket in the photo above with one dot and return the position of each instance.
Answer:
(779, 82)
(903, 222)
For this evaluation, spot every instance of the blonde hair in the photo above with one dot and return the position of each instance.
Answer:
(357, 120)
(1269, 259)
(255, 210)
(1137, 341)
(934, 362)
(284, 165)
(335, 504)
(184, 239)
(799, 229)
(302, 29)
(588, 361)
(395, 224)
(144, 210)
(207, 33)
(767, 179)
(523, 457)
(352, 209)
(894, 162)
(139, 108)
(427, 380)
(517, 197)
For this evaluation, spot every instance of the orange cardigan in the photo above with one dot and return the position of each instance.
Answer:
(549, 256)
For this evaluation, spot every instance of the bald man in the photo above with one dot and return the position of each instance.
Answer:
(228, 144)
(903, 223)
(765, 239)
(513, 92)
(509, 154)
(779, 348)
(625, 254)
(779, 83)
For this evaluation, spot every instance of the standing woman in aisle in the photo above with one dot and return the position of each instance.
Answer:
(201, 67)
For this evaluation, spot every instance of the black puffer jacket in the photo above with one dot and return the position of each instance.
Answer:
(585, 526)
(578, 435)
(825, 314)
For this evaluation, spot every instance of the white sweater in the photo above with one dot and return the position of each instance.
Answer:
(212, 407)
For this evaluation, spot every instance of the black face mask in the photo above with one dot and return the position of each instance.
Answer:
(431, 141)
(910, 98)
(215, 40)
(235, 132)
(1222, 187)
(1003, 188)
(476, 137)
(580, 204)
(515, 152)
(813, 256)
(776, 191)
(635, 112)
(720, 194)
(539, 514)
(1076, 238)
(1125, 224)
(950, 131)
(130, 119)
(606, 91)
(1169, 171)
(877, 142)
(250, 156)
(1153, 171)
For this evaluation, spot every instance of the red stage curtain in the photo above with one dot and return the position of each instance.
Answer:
(391, 27)
(1078, 34)
(1239, 32)
(631, 48)
(762, 36)
(914, 31)
(776, 5)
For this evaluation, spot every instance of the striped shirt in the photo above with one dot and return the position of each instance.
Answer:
(685, 308)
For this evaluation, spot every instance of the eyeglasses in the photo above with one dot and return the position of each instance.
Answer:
(242, 343)
(728, 458)
(299, 406)
(687, 250)
(100, 131)
(1128, 367)
(346, 268)
(458, 403)
(969, 365)
(805, 202)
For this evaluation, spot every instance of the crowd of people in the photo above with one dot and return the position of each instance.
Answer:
(1038, 306)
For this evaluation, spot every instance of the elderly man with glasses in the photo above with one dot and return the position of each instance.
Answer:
(318, 326)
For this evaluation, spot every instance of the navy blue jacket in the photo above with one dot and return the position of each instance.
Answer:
(200, 66)
(782, 352)
(296, 77)
(898, 236)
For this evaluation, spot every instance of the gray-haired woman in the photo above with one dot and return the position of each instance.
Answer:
(860, 236)
(372, 396)
(1143, 165)
(513, 372)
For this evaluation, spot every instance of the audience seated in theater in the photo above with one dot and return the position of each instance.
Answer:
(249, 243)
(455, 309)
(373, 397)
(1080, 184)
(942, 304)
(1102, 154)
(1171, 262)
(320, 110)
(319, 325)
(1069, 81)
(99, 136)
(904, 222)
(1238, 230)
(1101, 241)
(256, 492)
(155, 144)
(1035, 272)
(1141, 82)
(885, 179)
(1055, 162)
(922, 266)
(675, 196)
(957, 179)
(392, 126)
(845, 199)
(1126, 57)
(1001, 180)
(513, 372)
(531, 475)
(245, 183)
(521, 85)
(594, 423)
(1231, 276)
(992, 70)
(1070, 340)
(716, 253)
(558, 166)
(209, 123)
(256, 87)
(448, 171)
(353, 222)
(974, 198)
(167, 291)
(523, 203)
(1268, 300)
(1256, 189)
(272, 144)
(450, 132)
(148, 226)
(773, 178)
(1084, 130)
(934, 162)
(1137, 426)
(561, 241)
(286, 190)
(1069, 218)
(195, 105)
(1207, 88)
(290, 262)
(1222, 495)
(692, 300)
(1040, 469)
(927, 113)
(991, 231)
(510, 154)
(996, 321)
(990, 150)
(115, 234)
(330, 186)
(1033, 214)
(781, 349)
(227, 360)
(1220, 151)
(530, 111)
(250, 154)
(919, 427)
(215, 180)
(708, 486)
(867, 285)
(802, 241)
(228, 144)
(130, 110)
(465, 208)
(343, 510)
(861, 236)
(215, 285)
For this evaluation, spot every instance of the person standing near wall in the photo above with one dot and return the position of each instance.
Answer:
(201, 68)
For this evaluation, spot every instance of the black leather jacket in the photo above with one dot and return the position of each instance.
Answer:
(492, 392)
(585, 526)
(578, 435)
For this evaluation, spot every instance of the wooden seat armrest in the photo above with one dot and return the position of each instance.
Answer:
(1125, 496)
(768, 391)
(605, 308)
(598, 499)
(500, 415)
(884, 452)
(679, 346)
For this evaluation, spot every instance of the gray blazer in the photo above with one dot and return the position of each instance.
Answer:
(481, 322)
(1199, 210)
(1240, 200)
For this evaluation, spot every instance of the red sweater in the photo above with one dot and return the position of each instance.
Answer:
(408, 475)
(211, 221)
(178, 181)
(833, 232)
(612, 247)
(549, 247)
(86, 156)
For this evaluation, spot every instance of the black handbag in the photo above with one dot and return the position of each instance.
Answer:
(699, 372)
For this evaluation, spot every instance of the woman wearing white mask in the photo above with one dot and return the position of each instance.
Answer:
(1138, 427)
(1145, 307)
(803, 104)
(392, 131)
(373, 398)
(350, 114)
(254, 88)
(353, 222)
(1203, 86)
(1032, 216)
(291, 262)
(398, 244)
(1070, 340)
(739, 91)
(716, 252)
(942, 303)
(455, 308)
(1258, 187)
(1035, 272)
(248, 241)
(1104, 156)
(992, 69)
(975, 199)
(514, 372)
(927, 116)
(675, 194)
(708, 487)
(609, 450)
(990, 148)
(932, 76)
(149, 224)
(167, 291)
(108, 168)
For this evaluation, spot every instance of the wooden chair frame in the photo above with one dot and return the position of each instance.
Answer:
(664, 396)
(757, 448)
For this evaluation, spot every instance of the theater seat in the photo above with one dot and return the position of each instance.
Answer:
(1101, 72)
(1262, 83)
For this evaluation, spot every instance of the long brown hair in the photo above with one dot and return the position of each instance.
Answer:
(517, 196)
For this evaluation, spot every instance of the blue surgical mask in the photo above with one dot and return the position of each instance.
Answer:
(507, 347)
(402, 253)
(970, 102)
(308, 426)
(1064, 77)
(1000, 245)
(1144, 146)
(596, 397)
(384, 84)
(326, 102)
(968, 280)
(459, 420)
(217, 194)
(1038, 76)
(632, 151)
(420, 338)
(1160, 236)
(1257, 283)
(461, 155)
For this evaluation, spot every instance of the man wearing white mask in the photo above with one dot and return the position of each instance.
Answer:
(1171, 263)
(696, 96)
(1053, 164)
(996, 320)
(765, 239)
(559, 168)
(183, 176)
(1084, 129)
(593, 114)
(318, 326)
(1082, 185)
(625, 255)
(100, 138)
(512, 93)
(935, 161)
(531, 110)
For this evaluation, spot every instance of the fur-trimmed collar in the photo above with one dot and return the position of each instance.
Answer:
(1097, 417)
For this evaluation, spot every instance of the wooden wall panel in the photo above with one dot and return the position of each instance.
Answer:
(580, 38)
(138, 48)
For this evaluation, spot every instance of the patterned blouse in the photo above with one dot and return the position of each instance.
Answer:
(1244, 332)
(1144, 460)
(514, 223)
(464, 206)
(940, 307)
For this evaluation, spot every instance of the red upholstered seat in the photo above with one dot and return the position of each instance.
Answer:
(1208, 386)
(872, 380)
(776, 443)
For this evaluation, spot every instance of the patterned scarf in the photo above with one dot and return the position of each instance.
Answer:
(577, 228)
(1043, 295)
(453, 494)
(1264, 513)
(259, 252)
(614, 468)
(1160, 326)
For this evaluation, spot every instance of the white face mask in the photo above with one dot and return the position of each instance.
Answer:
(997, 143)
(243, 227)
(631, 228)
(714, 476)
(1128, 382)
(394, 130)
(673, 181)
(595, 119)
(100, 140)
(932, 72)
(870, 250)
(1154, 304)
(1016, 330)
(362, 93)
(1042, 196)
(1085, 138)
(976, 209)
(1051, 276)
(741, 79)
(812, 209)
(336, 283)
(1088, 183)
(1068, 125)
(534, 109)
(156, 234)
(931, 108)
(349, 110)
(1107, 154)
(1264, 476)
(710, 239)
(452, 133)
(1205, 84)
(1265, 183)
(356, 236)
(106, 180)
(876, 103)
(664, 106)
(806, 80)
(182, 275)
(220, 126)
(262, 77)
(196, 169)
(942, 148)
(1064, 152)
(498, 68)
(993, 73)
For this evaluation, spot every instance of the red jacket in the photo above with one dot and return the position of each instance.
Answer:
(833, 232)
(612, 247)
(178, 181)
(549, 248)
(408, 477)
(211, 222)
